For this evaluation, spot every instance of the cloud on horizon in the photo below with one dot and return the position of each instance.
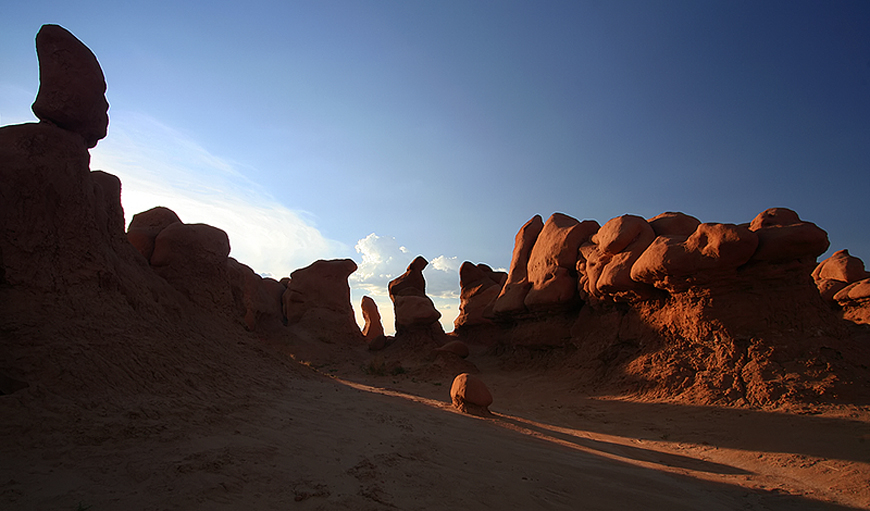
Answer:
(384, 259)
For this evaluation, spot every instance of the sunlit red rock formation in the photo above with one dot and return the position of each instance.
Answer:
(675, 307)
(551, 269)
(837, 272)
(511, 300)
(607, 258)
(71, 85)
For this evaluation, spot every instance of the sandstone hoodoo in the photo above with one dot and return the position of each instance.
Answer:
(415, 312)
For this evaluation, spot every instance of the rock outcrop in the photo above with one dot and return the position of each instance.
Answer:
(71, 85)
(145, 226)
(511, 299)
(842, 280)
(479, 286)
(317, 300)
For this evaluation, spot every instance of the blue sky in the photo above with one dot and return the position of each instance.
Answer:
(380, 130)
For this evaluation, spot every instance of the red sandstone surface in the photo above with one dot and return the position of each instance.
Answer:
(657, 364)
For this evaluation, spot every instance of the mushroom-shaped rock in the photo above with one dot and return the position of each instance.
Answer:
(470, 395)
(72, 87)
(145, 226)
(512, 297)
(192, 258)
(374, 328)
(552, 264)
(411, 282)
(609, 255)
(318, 299)
(841, 266)
(479, 286)
(782, 236)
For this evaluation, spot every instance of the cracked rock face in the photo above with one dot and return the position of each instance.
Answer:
(72, 88)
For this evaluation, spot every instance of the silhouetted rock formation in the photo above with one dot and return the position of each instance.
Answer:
(373, 329)
(71, 85)
(145, 226)
(479, 287)
(317, 300)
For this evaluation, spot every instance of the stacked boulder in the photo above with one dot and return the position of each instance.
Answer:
(416, 315)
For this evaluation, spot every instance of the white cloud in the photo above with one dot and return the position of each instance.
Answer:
(159, 166)
(384, 259)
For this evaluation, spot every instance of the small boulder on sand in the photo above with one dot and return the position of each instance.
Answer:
(470, 395)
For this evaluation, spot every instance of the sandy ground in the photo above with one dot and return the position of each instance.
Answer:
(289, 438)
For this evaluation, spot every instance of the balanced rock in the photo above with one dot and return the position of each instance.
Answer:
(512, 297)
(470, 395)
(72, 87)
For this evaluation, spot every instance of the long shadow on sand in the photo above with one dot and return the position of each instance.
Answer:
(619, 451)
(733, 428)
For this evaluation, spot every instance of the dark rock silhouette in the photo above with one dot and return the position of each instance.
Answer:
(373, 329)
(479, 287)
(145, 226)
(317, 300)
(71, 85)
